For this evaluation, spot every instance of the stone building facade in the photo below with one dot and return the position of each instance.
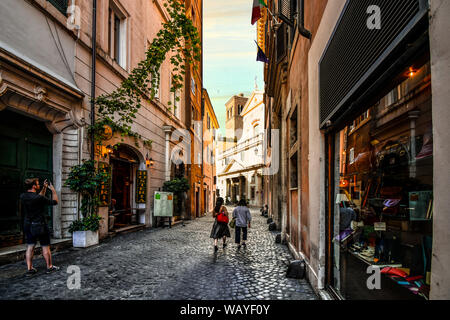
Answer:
(371, 144)
(193, 103)
(210, 127)
(46, 83)
(239, 167)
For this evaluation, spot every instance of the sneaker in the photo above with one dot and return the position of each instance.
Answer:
(31, 272)
(216, 248)
(52, 269)
(224, 245)
(244, 245)
(239, 247)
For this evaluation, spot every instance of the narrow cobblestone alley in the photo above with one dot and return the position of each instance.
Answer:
(175, 264)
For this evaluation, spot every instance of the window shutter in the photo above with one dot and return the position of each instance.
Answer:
(366, 51)
(281, 42)
(285, 9)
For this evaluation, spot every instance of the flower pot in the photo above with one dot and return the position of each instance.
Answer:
(84, 239)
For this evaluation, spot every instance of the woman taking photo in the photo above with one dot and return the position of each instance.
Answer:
(220, 228)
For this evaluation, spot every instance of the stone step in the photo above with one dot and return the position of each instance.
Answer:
(17, 253)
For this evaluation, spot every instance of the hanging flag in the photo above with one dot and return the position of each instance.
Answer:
(257, 7)
(261, 56)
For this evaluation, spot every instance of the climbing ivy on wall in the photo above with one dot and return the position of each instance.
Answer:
(177, 37)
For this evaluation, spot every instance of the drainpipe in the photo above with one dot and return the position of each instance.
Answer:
(94, 55)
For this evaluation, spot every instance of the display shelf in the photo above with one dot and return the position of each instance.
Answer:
(392, 278)
(368, 262)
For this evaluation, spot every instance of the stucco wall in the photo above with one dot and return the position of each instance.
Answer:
(316, 156)
(440, 77)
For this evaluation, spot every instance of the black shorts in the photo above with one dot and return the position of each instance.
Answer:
(43, 239)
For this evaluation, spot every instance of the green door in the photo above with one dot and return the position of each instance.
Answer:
(25, 152)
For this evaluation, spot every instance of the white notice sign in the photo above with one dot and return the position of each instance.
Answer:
(163, 204)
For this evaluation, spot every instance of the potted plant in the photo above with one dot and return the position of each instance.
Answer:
(85, 231)
(86, 179)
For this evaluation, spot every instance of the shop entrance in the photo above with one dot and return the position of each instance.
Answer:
(124, 162)
(26, 152)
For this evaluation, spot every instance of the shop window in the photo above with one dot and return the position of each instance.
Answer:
(383, 201)
(117, 35)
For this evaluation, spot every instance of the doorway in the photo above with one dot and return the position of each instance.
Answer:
(205, 201)
(124, 163)
(197, 202)
(26, 152)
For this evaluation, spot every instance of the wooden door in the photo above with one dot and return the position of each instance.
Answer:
(121, 180)
(26, 152)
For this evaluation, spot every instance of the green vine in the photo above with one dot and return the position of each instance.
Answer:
(179, 38)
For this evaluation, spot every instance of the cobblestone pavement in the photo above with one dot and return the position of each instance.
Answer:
(175, 264)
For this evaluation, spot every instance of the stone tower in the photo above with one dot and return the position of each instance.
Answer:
(234, 123)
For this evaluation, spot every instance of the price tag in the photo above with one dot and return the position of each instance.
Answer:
(380, 226)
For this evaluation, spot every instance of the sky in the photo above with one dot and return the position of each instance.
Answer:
(229, 50)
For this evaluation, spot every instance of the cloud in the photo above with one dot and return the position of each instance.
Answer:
(230, 63)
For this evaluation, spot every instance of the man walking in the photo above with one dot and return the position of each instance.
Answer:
(35, 226)
(243, 218)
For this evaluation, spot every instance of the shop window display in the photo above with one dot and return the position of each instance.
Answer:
(384, 188)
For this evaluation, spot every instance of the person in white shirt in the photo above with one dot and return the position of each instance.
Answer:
(243, 221)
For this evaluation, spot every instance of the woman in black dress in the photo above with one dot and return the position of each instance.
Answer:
(220, 229)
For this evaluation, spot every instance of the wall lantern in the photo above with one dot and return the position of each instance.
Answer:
(148, 161)
(411, 72)
(106, 150)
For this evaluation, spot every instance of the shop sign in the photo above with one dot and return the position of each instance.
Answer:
(105, 188)
(141, 186)
(163, 204)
